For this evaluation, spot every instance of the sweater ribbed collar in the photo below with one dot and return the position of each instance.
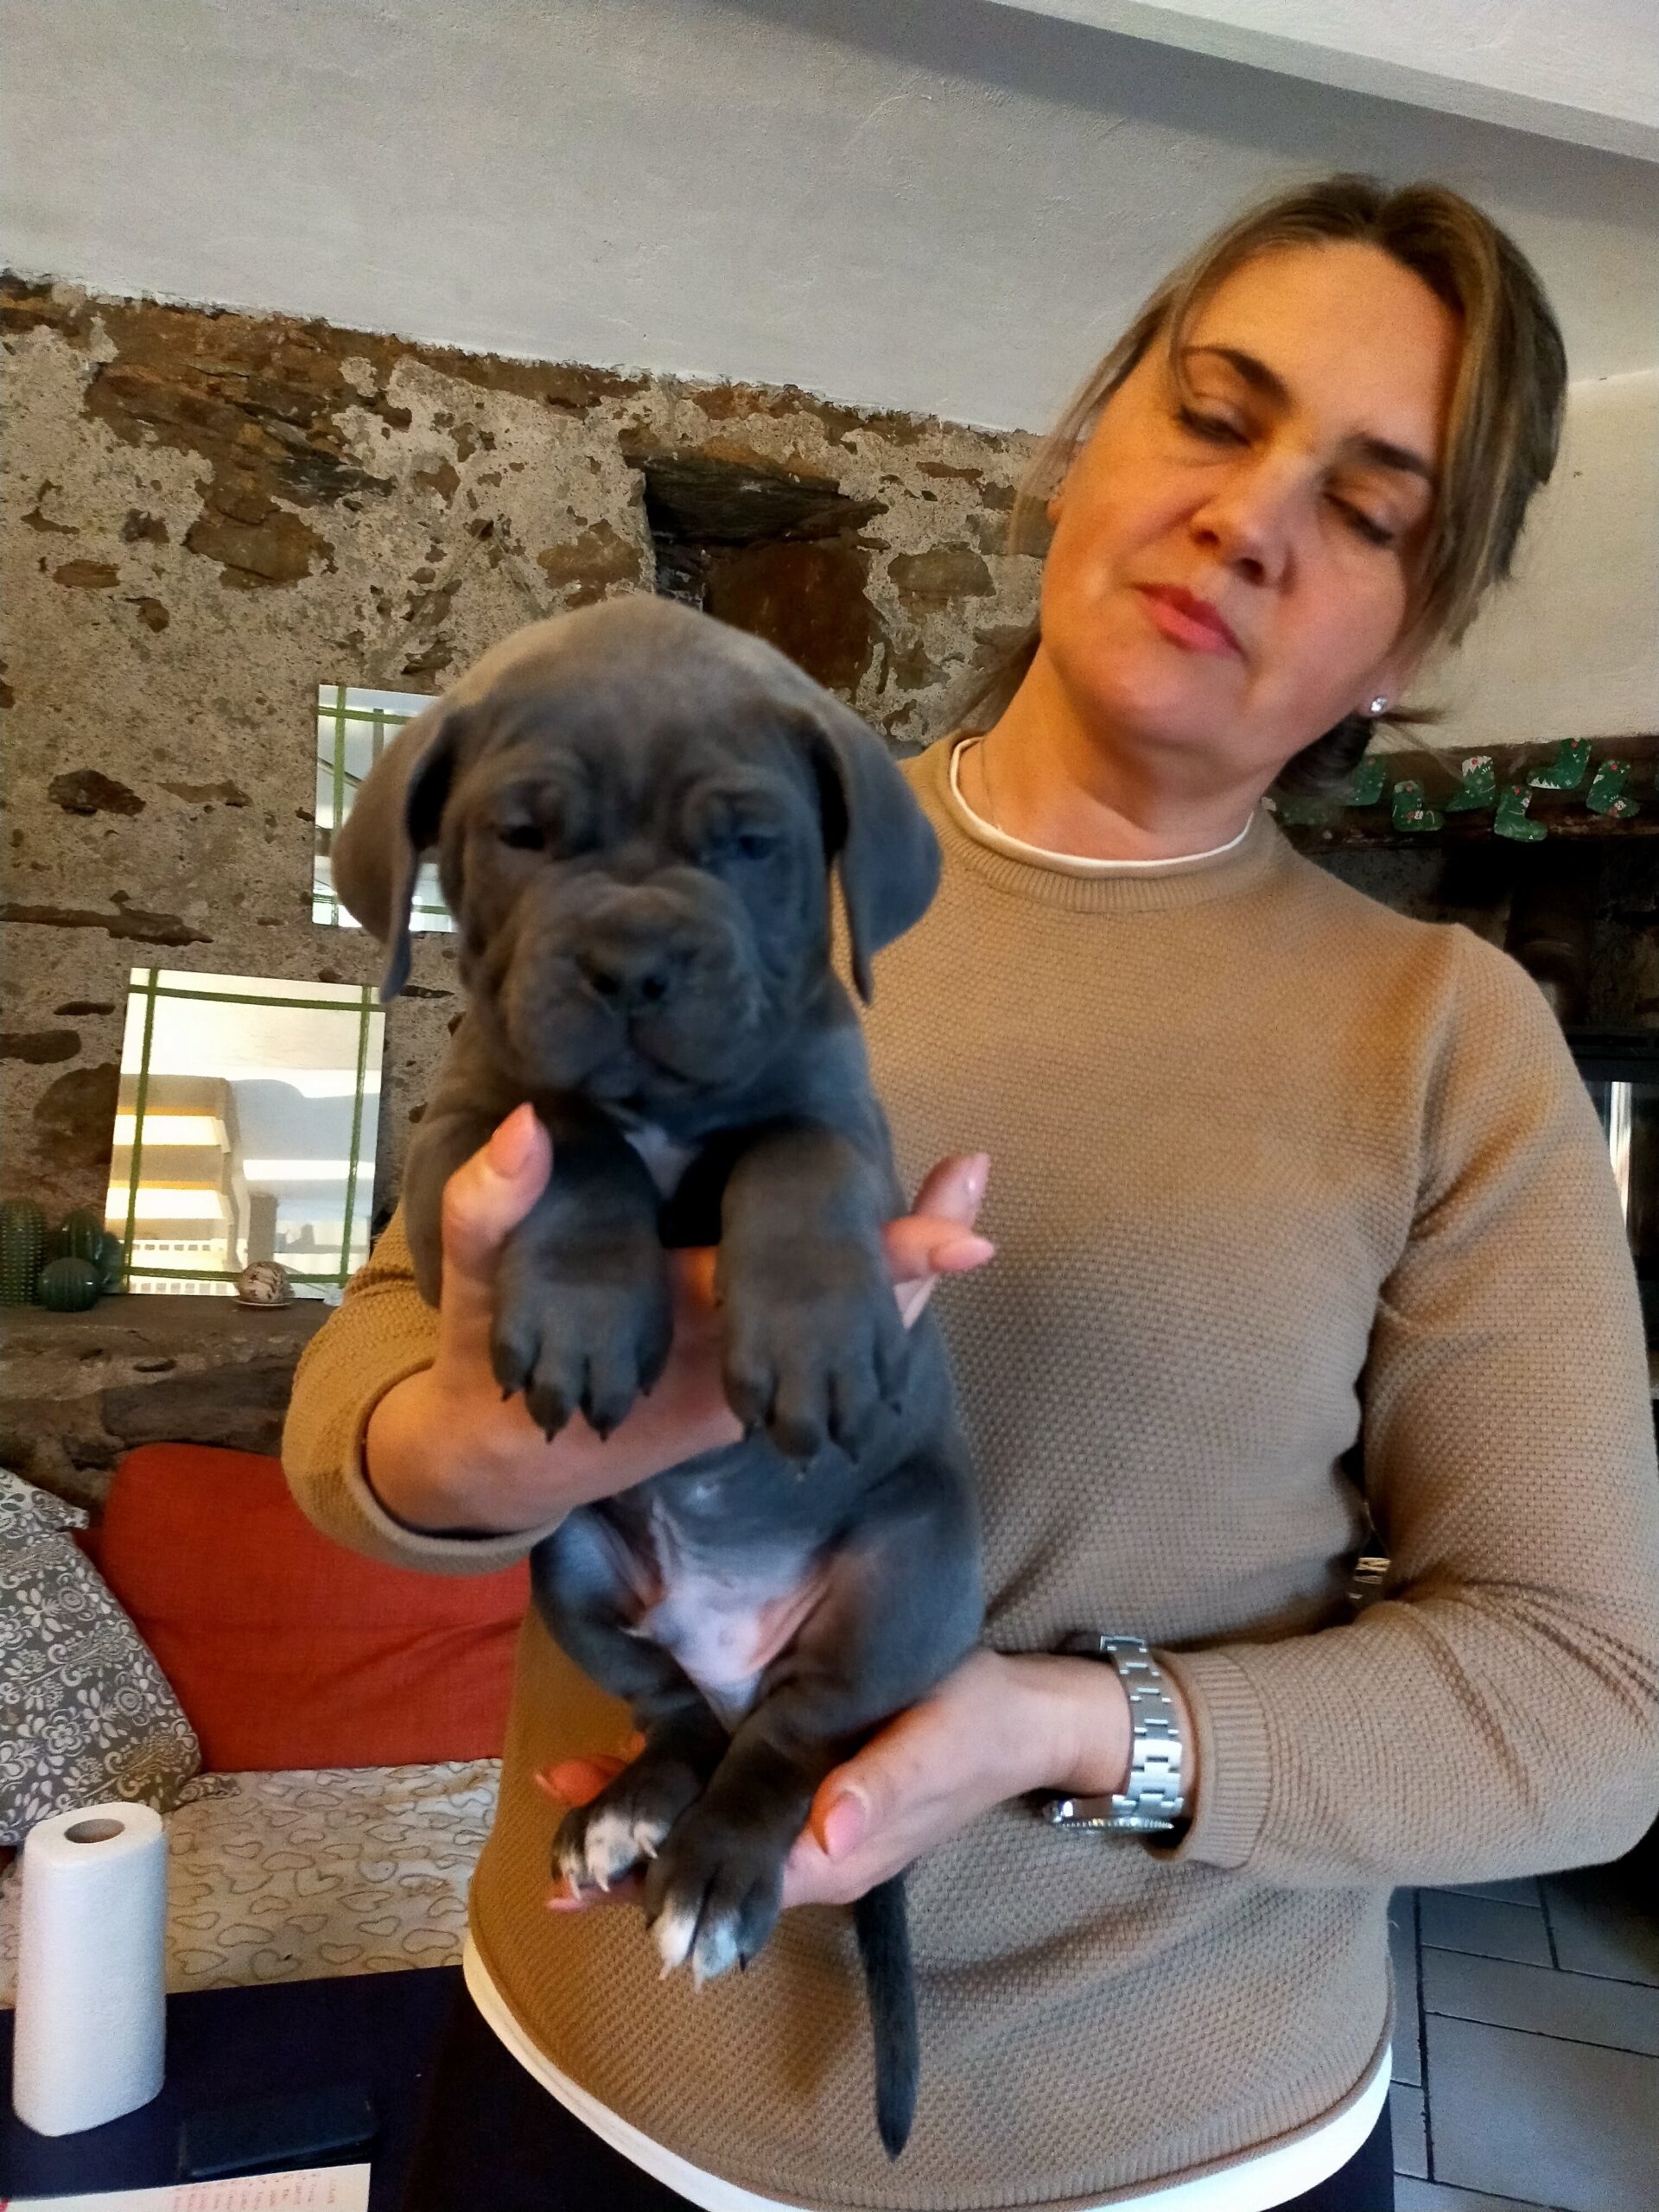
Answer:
(1046, 882)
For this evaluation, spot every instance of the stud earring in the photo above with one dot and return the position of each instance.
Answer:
(1377, 705)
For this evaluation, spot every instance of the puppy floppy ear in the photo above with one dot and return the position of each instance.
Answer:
(375, 852)
(881, 844)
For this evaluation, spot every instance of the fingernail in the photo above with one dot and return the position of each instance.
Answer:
(976, 1174)
(509, 1146)
(966, 1252)
(845, 1824)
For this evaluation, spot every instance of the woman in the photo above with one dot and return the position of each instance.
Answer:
(1301, 1212)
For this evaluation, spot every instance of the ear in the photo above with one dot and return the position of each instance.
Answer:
(375, 852)
(881, 844)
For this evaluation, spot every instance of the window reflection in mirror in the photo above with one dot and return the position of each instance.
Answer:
(354, 726)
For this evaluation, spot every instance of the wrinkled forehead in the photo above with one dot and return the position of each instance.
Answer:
(639, 738)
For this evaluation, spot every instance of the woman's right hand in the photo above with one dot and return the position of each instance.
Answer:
(445, 1451)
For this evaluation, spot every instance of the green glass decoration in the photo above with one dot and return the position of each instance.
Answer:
(1566, 772)
(110, 1261)
(1606, 792)
(23, 1246)
(1367, 782)
(67, 1286)
(1410, 811)
(1511, 818)
(76, 1237)
(1476, 786)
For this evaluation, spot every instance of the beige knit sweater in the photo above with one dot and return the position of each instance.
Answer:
(1276, 1174)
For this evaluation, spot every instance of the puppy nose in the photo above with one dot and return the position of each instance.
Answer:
(630, 976)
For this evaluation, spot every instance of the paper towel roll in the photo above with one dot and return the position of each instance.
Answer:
(92, 1988)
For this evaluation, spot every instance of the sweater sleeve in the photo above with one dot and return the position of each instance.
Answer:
(383, 1332)
(1497, 1712)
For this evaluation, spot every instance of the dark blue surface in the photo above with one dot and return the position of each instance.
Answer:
(376, 2030)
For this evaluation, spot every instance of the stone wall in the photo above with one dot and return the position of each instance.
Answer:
(206, 515)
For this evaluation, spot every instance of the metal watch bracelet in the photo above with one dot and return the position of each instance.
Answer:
(1154, 1800)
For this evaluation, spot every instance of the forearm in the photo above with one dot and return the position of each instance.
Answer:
(1456, 1737)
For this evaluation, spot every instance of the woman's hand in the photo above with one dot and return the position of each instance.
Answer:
(997, 1727)
(444, 1450)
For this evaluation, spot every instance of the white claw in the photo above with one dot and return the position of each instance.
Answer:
(716, 1952)
(673, 1931)
(610, 1847)
(574, 1867)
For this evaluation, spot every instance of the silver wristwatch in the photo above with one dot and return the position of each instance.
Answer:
(1154, 1800)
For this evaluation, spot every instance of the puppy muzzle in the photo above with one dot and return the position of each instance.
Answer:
(643, 993)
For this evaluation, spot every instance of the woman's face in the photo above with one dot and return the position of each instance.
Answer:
(1291, 496)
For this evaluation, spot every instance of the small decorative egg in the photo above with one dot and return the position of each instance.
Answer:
(264, 1282)
(68, 1285)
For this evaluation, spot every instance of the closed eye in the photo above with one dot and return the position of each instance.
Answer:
(523, 836)
(1218, 431)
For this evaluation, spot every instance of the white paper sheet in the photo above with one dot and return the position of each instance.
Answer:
(308, 2189)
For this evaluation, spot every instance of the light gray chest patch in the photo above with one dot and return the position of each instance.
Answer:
(665, 1159)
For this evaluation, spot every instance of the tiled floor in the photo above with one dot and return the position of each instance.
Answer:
(1526, 2062)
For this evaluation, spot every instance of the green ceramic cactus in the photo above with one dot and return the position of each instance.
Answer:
(76, 1237)
(23, 1246)
(110, 1261)
(67, 1286)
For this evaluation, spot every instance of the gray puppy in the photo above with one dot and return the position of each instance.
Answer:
(637, 812)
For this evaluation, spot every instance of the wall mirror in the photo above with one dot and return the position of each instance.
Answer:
(245, 1129)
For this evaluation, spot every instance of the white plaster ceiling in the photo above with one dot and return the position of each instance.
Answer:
(1587, 72)
(949, 206)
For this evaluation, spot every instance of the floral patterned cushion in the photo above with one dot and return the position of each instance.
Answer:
(86, 1713)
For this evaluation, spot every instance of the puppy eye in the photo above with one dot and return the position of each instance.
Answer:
(523, 836)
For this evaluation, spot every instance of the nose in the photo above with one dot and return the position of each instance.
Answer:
(630, 974)
(1248, 524)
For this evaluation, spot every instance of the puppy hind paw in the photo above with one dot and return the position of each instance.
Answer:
(711, 1908)
(600, 1848)
(709, 1940)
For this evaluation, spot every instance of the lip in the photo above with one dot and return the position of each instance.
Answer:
(1188, 621)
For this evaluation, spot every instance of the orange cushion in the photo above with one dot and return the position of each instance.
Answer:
(287, 1650)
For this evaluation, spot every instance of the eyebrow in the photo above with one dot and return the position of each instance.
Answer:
(1272, 386)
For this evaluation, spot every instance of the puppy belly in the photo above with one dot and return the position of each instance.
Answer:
(726, 1630)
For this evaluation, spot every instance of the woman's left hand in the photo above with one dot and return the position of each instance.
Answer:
(995, 1728)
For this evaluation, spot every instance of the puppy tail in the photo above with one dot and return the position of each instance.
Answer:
(883, 1931)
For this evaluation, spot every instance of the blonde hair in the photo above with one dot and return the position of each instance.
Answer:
(1505, 417)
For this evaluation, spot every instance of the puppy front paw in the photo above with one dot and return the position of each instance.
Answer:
(814, 1348)
(577, 1337)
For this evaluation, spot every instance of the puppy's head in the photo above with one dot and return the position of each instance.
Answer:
(636, 811)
